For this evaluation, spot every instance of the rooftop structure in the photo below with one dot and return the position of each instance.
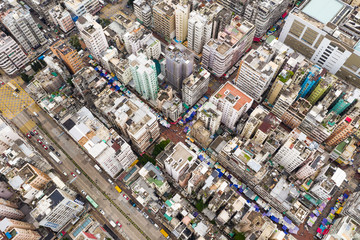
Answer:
(62, 18)
(195, 86)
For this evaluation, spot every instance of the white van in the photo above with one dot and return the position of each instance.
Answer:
(110, 181)
(98, 168)
(112, 223)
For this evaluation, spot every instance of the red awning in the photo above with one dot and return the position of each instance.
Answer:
(284, 15)
(256, 39)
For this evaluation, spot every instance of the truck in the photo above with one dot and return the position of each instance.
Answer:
(56, 159)
(112, 223)
(118, 189)
(164, 233)
(98, 168)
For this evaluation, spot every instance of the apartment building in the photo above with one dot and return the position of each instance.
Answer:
(62, 18)
(323, 86)
(12, 57)
(80, 7)
(169, 104)
(211, 116)
(232, 102)
(285, 100)
(68, 55)
(295, 150)
(328, 181)
(19, 230)
(164, 20)
(56, 210)
(143, 13)
(256, 71)
(323, 37)
(195, 86)
(199, 31)
(268, 125)
(252, 124)
(179, 161)
(9, 210)
(144, 74)
(24, 29)
(179, 65)
(312, 165)
(342, 131)
(121, 68)
(344, 228)
(222, 53)
(182, 10)
(92, 34)
(141, 39)
(132, 116)
(296, 113)
(264, 14)
(352, 206)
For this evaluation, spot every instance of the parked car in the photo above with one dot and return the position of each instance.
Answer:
(52, 149)
(102, 212)
(65, 174)
(45, 147)
(32, 134)
(39, 141)
(35, 132)
(57, 154)
(77, 171)
(73, 174)
(83, 192)
(118, 223)
(28, 135)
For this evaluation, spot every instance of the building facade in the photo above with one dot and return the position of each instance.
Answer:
(164, 20)
(68, 55)
(195, 86)
(61, 18)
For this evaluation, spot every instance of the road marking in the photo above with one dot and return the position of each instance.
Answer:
(27, 126)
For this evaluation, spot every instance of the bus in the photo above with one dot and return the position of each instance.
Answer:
(93, 203)
(118, 189)
(56, 159)
(164, 233)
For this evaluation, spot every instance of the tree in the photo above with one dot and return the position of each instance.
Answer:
(200, 205)
(239, 236)
(146, 158)
(43, 63)
(130, 3)
(25, 77)
(75, 42)
(160, 147)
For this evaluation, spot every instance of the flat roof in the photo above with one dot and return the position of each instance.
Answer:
(231, 89)
(323, 11)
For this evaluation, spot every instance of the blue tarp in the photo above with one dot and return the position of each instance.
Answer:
(111, 81)
(287, 220)
(346, 196)
(231, 184)
(101, 74)
(96, 69)
(235, 185)
(201, 157)
(274, 219)
(117, 88)
(41, 57)
(220, 174)
(284, 228)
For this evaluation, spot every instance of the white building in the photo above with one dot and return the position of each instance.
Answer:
(107, 55)
(181, 20)
(9, 210)
(179, 161)
(195, 86)
(80, 7)
(328, 182)
(265, 14)
(56, 210)
(232, 102)
(141, 39)
(142, 11)
(211, 117)
(256, 71)
(62, 18)
(344, 228)
(220, 54)
(326, 38)
(22, 26)
(295, 150)
(121, 68)
(92, 34)
(7, 136)
(254, 121)
(145, 77)
(12, 57)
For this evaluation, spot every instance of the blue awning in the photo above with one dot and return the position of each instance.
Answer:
(117, 88)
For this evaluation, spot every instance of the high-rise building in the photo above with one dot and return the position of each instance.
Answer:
(222, 53)
(179, 161)
(256, 71)
(93, 35)
(33, 177)
(9, 210)
(12, 57)
(295, 150)
(342, 131)
(145, 77)
(345, 99)
(142, 11)
(199, 31)
(322, 88)
(179, 65)
(255, 119)
(62, 18)
(264, 14)
(141, 39)
(285, 100)
(296, 113)
(323, 37)
(327, 182)
(211, 117)
(313, 164)
(232, 102)
(182, 10)
(22, 26)
(344, 228)
(19, 230)
(55, 210)
(195, 86)
(164, 20)
(80, 7)
(268, 125)
(311, 80)
(352, 206)
(234, 6)
(68, 55)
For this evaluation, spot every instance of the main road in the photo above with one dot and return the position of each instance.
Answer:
(95, 184)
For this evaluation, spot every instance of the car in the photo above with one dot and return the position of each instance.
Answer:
(41, 137)
(145, 215)
(151, 221)
(102, 211)
(126, 197)
(77, 171)
(28, 135)
(155, 225)
(39, 141)
(83, 192)
(2, 83)
(139, 210)
(132, 203)
(52, 148)
(45, 147)
(118, 223)
(73, 174)
(110, 181)
(57, 154)
(32, 134)
(35, 132)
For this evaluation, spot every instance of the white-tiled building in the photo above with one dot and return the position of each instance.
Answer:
(62, 18)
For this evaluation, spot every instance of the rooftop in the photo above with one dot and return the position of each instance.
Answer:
(234, 95)
(315, 9)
